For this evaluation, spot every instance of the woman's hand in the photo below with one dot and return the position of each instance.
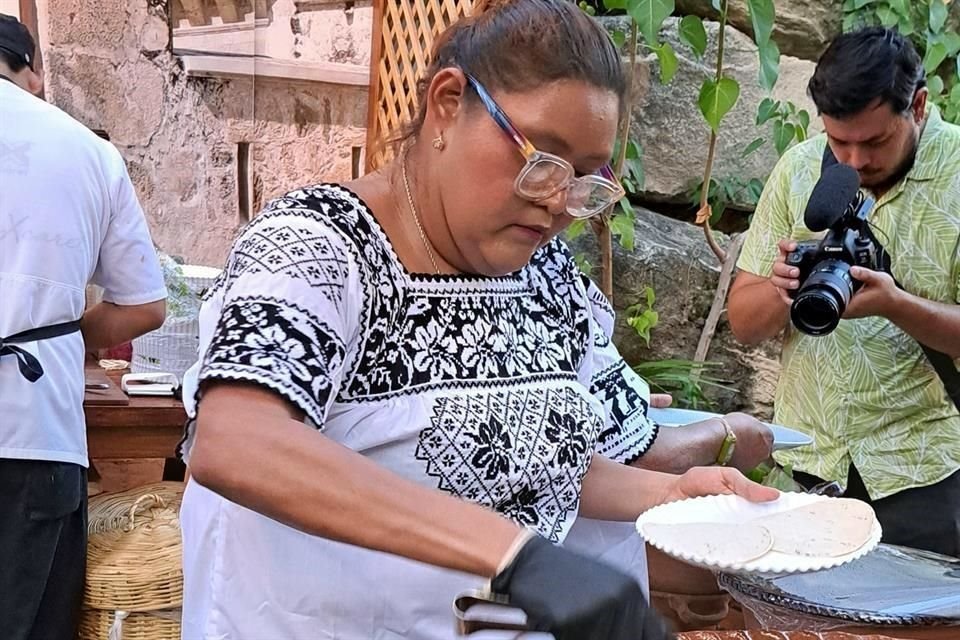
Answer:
(709, 481)
(576, 598)
(660, 400)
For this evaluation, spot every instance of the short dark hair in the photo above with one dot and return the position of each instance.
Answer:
(862, 66)
(17, 47)
(519, 45)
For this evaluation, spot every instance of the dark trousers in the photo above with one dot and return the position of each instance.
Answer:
(43, 543)
(921, 518)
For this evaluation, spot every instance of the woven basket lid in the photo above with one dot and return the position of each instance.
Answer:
(112, 510)
(137, 567)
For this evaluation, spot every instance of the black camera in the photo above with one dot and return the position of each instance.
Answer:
(826, 285)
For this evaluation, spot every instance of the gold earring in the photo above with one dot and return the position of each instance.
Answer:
(438, 142)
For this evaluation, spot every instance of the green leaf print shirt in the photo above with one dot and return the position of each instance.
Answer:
(866, 392)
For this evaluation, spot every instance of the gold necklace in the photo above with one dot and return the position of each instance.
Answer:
(416, 216)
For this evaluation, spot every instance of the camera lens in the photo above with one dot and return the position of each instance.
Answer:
(822, 299)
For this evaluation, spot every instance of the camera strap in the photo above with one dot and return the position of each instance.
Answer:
(942, 363)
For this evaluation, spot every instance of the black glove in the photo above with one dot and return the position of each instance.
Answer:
(576, 598)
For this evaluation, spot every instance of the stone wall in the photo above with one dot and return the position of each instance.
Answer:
(802, 28)
(668, 124)
(110, 66)
(672, 257)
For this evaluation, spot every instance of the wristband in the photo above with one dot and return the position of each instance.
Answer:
(728, 445)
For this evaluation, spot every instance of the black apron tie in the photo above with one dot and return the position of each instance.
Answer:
(29, 366)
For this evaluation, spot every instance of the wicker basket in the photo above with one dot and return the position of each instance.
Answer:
(112, 510)
(134, 586)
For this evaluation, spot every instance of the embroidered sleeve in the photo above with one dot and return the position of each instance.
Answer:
(285, 318)
(627, 432)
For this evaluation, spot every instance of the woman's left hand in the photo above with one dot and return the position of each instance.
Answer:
(660, 400)
(708, 481)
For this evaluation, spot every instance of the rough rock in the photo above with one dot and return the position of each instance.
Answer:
(668, 124)
(802, 29)
(673, 258)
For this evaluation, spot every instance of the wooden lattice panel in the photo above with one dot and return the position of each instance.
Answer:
(404, 31)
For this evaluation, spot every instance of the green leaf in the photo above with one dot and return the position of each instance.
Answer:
(769, 65)
(935, 85)
(717, 4)
(753, 146)
(615, 4)
(762, 15)
(934, 57)
(860, 4)
(905, 26)
(693, 34)
(782, 136)
(650, 15)
(636, 174)
(668, 62)
(888, 17)
(900, 7)
(955, 92)
(621, 225)
(804, 117)
(938, 15)
(850, 22)
(651, 296)
(951, 41)
(767, 110)
(717, 99)
(576, 229)
(619, 39)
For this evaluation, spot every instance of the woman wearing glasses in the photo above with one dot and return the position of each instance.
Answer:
(408, 389)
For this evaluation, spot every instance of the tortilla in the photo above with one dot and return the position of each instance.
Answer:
(718, 542)
(829, 527)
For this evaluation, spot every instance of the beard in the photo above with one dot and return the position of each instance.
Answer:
(885, 183)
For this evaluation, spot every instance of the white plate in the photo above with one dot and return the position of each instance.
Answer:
(736, 510)
(783, 437)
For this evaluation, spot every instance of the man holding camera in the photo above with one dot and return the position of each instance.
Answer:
(883, 422)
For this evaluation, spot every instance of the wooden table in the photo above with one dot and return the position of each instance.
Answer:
(145, 427)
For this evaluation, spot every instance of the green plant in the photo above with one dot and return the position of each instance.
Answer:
(725, 192)
(633, 177)
(686, 380)
(773, 475)
(642, 317)
(788, 122)
(929, 25)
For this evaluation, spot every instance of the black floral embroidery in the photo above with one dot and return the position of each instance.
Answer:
(500, 362)
(420, 334)
(550, 434)
(279, 345)
(563, 432)
(522, 508)
(493, 448)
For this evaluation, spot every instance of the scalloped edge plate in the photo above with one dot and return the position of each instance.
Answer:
(732, 509)
(783, 437)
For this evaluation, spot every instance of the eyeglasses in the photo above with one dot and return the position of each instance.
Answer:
(546, 174)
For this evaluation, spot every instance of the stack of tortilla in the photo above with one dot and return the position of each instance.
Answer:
(831, 528)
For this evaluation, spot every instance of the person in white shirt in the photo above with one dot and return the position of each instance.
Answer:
(68, 216)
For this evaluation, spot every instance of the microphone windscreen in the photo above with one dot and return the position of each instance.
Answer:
(835, 190)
